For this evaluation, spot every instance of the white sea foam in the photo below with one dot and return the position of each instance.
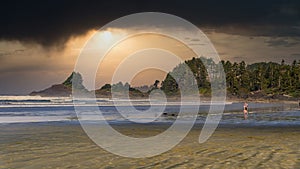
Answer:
(37, 101)
(25, 109)
(30, 119)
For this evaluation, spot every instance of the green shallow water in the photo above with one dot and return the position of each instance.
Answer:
(50, 145)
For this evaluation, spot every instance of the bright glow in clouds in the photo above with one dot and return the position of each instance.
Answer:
(28, 67)
(129, 47)
(107, 35)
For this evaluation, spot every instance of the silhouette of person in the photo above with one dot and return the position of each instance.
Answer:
(245, 110)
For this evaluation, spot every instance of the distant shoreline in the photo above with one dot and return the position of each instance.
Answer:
(276, 99)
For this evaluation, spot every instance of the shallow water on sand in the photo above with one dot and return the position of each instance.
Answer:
(60, 145)
(44, 133)
(259, 113)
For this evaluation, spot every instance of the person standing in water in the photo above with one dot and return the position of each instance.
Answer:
(245, 111)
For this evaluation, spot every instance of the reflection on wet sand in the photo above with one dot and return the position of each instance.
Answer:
(60, 145)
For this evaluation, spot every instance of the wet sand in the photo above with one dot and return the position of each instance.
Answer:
(55, 145)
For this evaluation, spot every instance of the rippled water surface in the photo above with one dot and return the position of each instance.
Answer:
(44, 133)
(60, 145)
(38, 109)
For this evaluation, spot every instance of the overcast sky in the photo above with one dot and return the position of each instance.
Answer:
(40, 40)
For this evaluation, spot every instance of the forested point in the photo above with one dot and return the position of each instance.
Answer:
(242, 80)
(257, 80)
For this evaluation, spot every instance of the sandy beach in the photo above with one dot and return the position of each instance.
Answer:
(39, 134)
(61, 145)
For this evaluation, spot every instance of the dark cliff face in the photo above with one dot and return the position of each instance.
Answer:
(58, 90)
(74, 81)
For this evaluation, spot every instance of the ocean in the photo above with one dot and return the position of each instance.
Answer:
(30, 109)
(38, 132)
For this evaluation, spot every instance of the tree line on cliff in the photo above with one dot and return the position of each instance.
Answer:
(242, 80)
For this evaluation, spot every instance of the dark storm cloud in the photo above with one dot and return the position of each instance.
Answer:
(52, 22)
(8, 53)
(275, 42)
